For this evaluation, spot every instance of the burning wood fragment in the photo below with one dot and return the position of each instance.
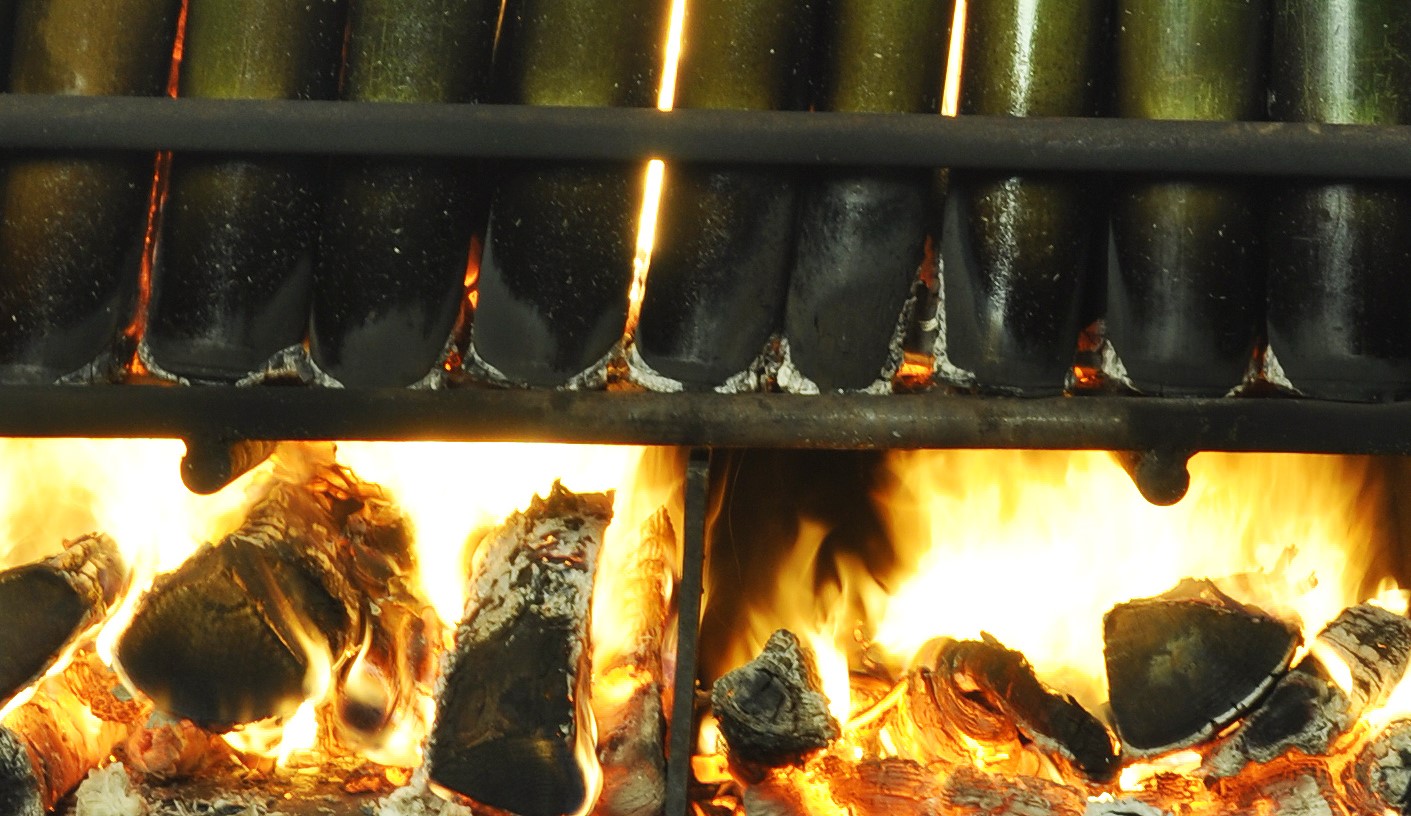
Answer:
(878, 787)
(248, 627)
(1380, 779)
(771, 710)
(48, 745)
(1353, 666)
(978, 691)
(514, 697)
(970, 792)
(628, 692)
(1185, 664)
(48, 605)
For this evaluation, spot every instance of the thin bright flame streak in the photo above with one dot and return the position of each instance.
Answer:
(950, 97)
(656, 168)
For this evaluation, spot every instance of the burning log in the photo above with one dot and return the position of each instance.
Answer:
(970, 792)
(48, 745)
(628, 692)
(1185, 664)
(980, 691)
(247, 627)
(1353, 666)
(1380, 779)
(47, 606)
(771, 710)
(514, 698)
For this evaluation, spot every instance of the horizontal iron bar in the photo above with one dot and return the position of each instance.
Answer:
(933, 420)
(508, 131)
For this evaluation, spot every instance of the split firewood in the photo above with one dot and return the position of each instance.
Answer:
(249, 626)
(48, 745)
(513, 724)
(971, 792)
(1353, 666)
(880, 787)
(1183, 665)
(977, 691)
(772, 711)
(627, 690)
(50, 605)
(1379, 781)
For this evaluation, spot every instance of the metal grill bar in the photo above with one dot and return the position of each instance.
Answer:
(506, 131)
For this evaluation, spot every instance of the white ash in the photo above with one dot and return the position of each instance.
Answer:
(753, 378)
(1274, 371)
(108, 792)
(416, 800)
(1111, 367)
(793, 381)
(292, 363)
(592, 378)
(1123, 807)
(944, 369)
(107, 367)
(1302, 796)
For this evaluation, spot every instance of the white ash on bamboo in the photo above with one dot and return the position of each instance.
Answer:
(1353, 666)
(628, 685)
(772, 711)
(249, 626)
(1183, 665)
(49, 605)
(514, 698)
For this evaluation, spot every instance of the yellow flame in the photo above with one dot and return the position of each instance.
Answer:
(300, 734)
(1138, 776)
(950, 95)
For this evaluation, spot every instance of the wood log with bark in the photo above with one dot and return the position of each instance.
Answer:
(1355, 663)
(1183, 665)
(50, 605)
(513, 723)
(965, 691)
(628, 684)
(246, 628)
(772, 711)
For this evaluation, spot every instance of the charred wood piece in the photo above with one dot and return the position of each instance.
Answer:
(234, 635)
(1205, 657)
(772, 711)
(210, 465)
(628, 691)
(1380, 779)
(48, 745)
(49, 605)
(515, 694)
(1354, 664)
(971, 792)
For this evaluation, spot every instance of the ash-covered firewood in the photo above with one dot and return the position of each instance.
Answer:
(981, 691)
(1380, 779)
(48, 745)
(1185, 664)
(1354, 665)
(49, 605)
(514, 705)
(772, 711)
(627, 691)
(970, 792)
(241, 630)
(881, 787)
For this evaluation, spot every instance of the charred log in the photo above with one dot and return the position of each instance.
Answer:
(981, 691)
(47, 606)
(970, 792)
(1354, 665)
(628, 692)
(771, 710)
(1380, 779)
(48, 745)
(233, 635)
(1204, 656)
(514, 698)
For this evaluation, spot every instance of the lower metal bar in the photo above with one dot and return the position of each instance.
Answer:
(688, 627)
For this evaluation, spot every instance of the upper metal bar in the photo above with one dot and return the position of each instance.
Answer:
(507, 131)
(935, 420)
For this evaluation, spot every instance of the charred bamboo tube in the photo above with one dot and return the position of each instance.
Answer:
(1184, 288)
(48, 606)
(558, 260)
(1338, 253)
(1353, 666)
(232, 281)
(1016, 250)
(392, 254)
(862, 234)
(771, 710)
(72, 228)
(627, 686)
(48, 745)
(720, 267)
(238, 631)
(514, 699)
(1231, 656)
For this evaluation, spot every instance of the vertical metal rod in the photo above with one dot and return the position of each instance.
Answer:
(688, 625)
